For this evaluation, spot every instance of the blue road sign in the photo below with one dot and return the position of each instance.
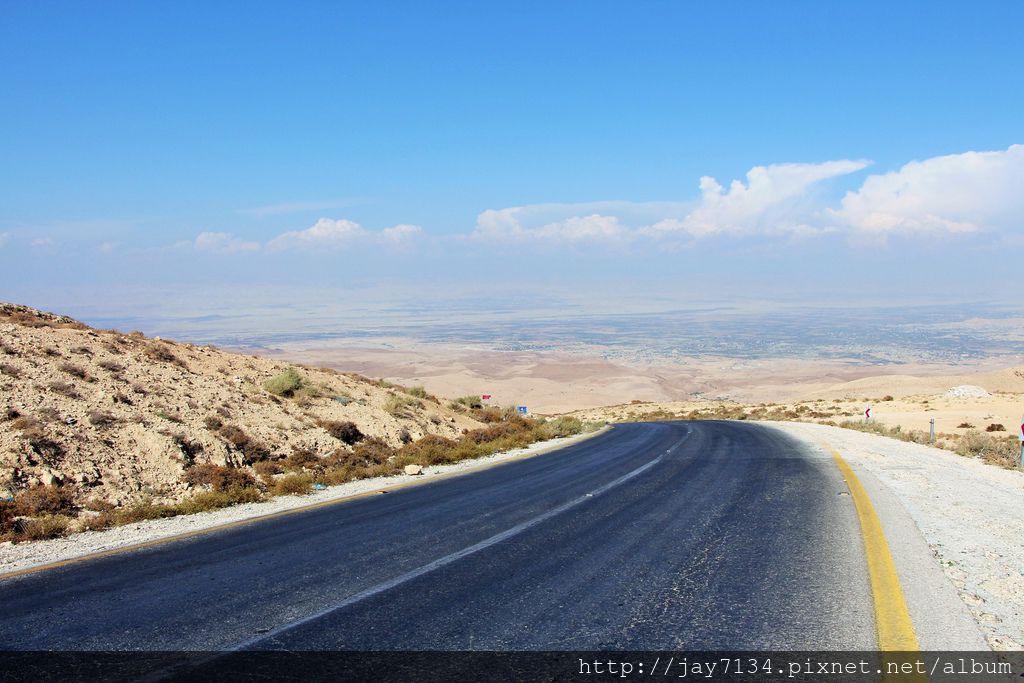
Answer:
(522, 410)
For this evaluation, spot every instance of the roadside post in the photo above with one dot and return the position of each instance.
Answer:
(1020, 435)
(931, 430)
(867, 414)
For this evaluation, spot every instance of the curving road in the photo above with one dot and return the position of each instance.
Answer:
(697, 535)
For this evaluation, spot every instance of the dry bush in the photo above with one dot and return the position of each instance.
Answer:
(430, 450)
(300, 459)
(1002, 451)
(266, 469)
(472, 402)
(965, 425)
(50, 351)
(417, 392)
(75, 371)
(11, 413)
(292, 484)
(212, 422)
(253, 449)
(50, 526)
(217, 477)
(205, 501)
(111, 366)
(489, 414)
(65, 389)
(8, 515)
(401, 406)
(347, 432)
(373, 450)
(7, 349)
(9, 370)
(995, 427)
(99, 418)
(35, 433)
(161, 353)
(40, 500)
(104, 520)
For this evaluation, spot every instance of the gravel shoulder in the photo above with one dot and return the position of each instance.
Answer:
(26, 555)
(970, 515)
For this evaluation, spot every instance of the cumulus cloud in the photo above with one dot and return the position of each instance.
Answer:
(607, 221)
(401, 233)
(772, 201)
(326, 232)
(42, 242)
(957, 193)
(222, 243)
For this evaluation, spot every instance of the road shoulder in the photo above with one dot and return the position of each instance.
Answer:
(953, 525)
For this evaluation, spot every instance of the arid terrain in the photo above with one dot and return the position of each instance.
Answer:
(101, 427)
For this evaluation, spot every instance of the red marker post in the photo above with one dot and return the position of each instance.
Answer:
(1020, 435)
(867, 414)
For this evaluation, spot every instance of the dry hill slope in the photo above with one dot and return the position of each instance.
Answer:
(97, 424)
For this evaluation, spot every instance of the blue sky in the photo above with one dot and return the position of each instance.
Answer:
(559, 146)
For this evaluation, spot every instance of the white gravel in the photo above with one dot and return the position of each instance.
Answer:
(970, 513)
(18, 556)
(967, 391)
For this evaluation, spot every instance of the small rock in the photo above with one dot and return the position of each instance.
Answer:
(414, 469)
(51, 479)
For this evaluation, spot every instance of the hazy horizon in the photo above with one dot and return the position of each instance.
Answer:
(668, 153)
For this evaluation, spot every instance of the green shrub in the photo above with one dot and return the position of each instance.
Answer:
(285, 384)
(399, 405)
(562, 426)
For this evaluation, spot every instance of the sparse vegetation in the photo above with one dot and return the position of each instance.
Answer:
(345, 431)
(75, 371)
(995, 427)
(285, 384)
(400, 406)
(10, 370)
(218, 477)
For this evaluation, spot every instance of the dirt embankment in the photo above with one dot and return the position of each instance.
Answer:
(111, 418)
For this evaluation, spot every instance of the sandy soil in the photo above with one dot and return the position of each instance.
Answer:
(15, 557)
(970, 513)
(551, 383)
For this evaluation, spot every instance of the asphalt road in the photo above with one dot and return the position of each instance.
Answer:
(702, 535)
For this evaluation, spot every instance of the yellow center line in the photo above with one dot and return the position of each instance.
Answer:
(894, 626)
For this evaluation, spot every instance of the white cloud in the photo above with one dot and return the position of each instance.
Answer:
(607, 221)
(222, 243)
(326, 232)
(774, 200)
(329, 233)
(957, 193)
(401, 233)
(42, 242)
(5, 237)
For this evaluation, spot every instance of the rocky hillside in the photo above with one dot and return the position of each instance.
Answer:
(108, 419)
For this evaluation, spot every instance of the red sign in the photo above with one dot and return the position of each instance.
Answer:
(867, 412)
(486, 397)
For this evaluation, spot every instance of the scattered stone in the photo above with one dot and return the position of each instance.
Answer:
(967, 391)
(414, 469)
